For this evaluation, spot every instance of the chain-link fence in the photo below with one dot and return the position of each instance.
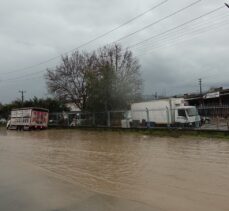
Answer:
(215, 117)
(145, 118)
(87, 119)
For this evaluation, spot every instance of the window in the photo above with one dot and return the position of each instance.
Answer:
(192, 112)
(181, 112)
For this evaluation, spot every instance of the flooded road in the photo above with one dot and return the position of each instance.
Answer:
(83, 170)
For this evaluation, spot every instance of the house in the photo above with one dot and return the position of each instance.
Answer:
(73, 107)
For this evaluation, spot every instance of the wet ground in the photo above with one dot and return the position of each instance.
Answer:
(82, 170)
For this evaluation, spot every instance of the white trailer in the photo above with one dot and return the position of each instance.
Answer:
(171, 111)
(28, 118)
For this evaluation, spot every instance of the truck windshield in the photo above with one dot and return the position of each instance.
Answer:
(192, 112)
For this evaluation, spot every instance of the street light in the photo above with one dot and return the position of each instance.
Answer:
(227, 5)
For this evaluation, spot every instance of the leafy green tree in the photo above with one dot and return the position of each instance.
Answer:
(52, 104)
(117, 82)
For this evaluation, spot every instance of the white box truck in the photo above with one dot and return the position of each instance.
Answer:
(165, 112)
(28, 118)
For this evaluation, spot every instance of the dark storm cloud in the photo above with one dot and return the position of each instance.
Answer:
(33, 31)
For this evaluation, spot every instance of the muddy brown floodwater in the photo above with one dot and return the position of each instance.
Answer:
(88, 170)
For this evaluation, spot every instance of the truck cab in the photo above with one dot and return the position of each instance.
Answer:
(187, 116)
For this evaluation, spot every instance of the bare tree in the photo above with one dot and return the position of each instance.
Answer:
(107, 79)
(68, 80)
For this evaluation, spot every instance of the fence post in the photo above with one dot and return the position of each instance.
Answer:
(57, 119)
(108, 119)
(68, 120)
(217, 122)
(147, 116)
(126, 119)
(167, 114)
(93, 119)
(197, 124)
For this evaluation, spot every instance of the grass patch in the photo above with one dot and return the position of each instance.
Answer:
(158, 132)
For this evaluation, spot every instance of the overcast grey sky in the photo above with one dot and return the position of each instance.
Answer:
(35, 31)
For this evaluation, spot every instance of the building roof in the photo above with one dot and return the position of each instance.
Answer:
(34, 108)
(196, 96)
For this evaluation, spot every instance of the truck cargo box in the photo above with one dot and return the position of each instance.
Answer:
(28, 118)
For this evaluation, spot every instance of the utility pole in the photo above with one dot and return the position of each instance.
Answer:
(200, 84)
(22, 95)
(116, 58)
(201, 93)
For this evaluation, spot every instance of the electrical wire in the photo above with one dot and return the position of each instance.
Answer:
(185, 30)
(196, 32)
(177, 27)
(124, 37)
(201, 29)
(90, 41)
(158, 21)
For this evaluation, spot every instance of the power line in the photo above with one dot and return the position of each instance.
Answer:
(161, 43)
(176, 27)
(127, 22)
(92, 40)
(131, 34)
(156, 47)
(25, 75)
(158, 21)
(192, 27)
(178, 40)
(190, 81)
(22, 80)
(158, 35)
